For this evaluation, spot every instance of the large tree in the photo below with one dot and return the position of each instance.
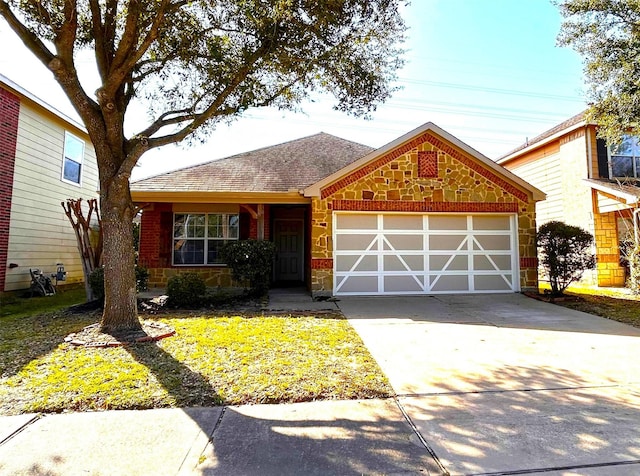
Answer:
(606, 33)
(196, 63)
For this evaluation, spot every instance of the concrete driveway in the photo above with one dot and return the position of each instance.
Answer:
(504, 384)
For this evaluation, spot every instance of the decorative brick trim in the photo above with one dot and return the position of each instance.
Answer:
(371, 167)
(611, 258)
(9, 118)
(476, 167)
(526, 263)
(321, 263)
(406, 206)
(427, 164)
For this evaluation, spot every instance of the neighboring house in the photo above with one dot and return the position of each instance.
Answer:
(587, 185)
(424, 214)
(45, 158)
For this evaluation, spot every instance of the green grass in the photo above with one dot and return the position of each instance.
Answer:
(212, 360)
(16, 306)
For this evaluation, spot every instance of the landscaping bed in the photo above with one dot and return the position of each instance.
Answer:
(619, 309)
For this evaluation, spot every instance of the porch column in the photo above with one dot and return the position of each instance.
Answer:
(260, 222)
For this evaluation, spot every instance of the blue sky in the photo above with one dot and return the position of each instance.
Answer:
(487, 71)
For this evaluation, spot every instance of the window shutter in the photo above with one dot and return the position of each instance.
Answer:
(603, 158)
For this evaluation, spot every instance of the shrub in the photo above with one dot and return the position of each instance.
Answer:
(186, 290)
(250, 262)
(565, 252)
(633, 257)
(96, 281)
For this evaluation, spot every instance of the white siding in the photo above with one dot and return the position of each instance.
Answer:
(40, 234)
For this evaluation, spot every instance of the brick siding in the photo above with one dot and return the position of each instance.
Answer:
(9, 116)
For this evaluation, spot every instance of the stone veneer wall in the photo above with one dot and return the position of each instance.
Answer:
(609, 271)
(424, 175)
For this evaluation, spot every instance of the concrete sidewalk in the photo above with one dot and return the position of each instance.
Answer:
(321, 438)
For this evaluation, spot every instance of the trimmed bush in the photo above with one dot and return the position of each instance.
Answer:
(251, 263)
(186, 290)
(565, 253)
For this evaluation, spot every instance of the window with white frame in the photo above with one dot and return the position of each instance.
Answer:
(72, 159)
(624, 159)
(198, 237)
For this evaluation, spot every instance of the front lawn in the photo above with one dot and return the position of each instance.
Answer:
(212, 360)
(615, 308)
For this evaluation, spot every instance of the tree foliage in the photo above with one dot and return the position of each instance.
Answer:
(606, 33)
(565, 253)
(195, 63)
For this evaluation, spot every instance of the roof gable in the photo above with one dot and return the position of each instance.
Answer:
(289, 166)
(441, 139)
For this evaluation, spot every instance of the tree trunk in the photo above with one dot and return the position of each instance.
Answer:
(120, 305)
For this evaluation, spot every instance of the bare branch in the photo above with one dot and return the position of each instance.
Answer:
(30, 39)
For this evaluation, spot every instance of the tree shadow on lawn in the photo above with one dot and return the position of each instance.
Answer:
(28, 338)
(187, 387)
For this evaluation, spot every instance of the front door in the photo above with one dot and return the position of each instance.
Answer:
(288, 238)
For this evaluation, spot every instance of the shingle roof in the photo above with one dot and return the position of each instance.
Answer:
(279, 168)
(572, 121)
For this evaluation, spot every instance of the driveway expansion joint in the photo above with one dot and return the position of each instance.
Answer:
(558, 468)
(22, 428)
(424, 442)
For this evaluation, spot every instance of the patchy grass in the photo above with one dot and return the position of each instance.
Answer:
(16, 306)
(619, 309)
(212, 360)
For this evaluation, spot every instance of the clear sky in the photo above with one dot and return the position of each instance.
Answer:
(487, 71)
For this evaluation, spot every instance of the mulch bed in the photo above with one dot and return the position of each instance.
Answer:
(91, 336)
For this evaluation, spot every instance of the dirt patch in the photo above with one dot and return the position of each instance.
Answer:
(91, 336)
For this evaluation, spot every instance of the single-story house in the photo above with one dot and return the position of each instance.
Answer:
(46, 157)
(588, 185)
(424, 214)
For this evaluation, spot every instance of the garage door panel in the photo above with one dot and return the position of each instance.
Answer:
(447, 222)
(355, 242)
(448, 263)
(359, 284)
(403, 284)
(492, 242)
(481, 222)
(447, 242)
(357, 222)
(423, 253)
(356, 263)
(403, 263)
(492, 262)
(445, 283)
(492, 283)
(402, 222)
(403, 242)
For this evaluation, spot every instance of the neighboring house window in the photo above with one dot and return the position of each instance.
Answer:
(625, 158)
(72, 160)
(198, 237)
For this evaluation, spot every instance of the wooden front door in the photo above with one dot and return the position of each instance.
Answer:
(289, 249)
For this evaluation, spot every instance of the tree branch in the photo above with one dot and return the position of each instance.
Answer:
(30, 39)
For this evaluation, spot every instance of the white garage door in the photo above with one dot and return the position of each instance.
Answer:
(385, 253)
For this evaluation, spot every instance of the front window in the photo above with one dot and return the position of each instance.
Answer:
(198, 237)
(72, 159)
(625, 159)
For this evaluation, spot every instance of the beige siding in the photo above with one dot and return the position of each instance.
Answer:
(40, 234)
(561, 176)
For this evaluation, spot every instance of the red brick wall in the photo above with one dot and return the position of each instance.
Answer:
(151, 235)
(9, 112)
(253, 225)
